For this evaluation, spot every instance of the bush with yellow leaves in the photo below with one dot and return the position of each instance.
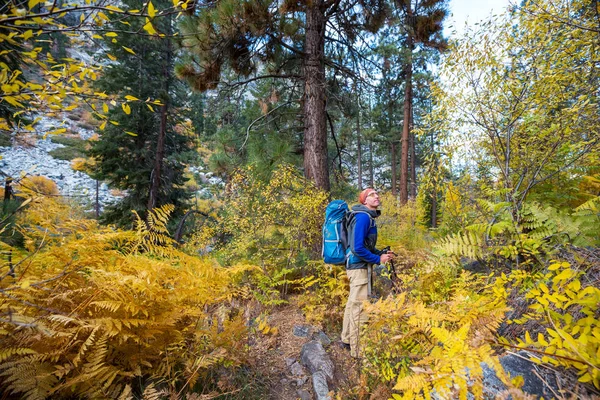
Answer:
(275, 225)
(93, 312)
(421, 347)
(563, 307)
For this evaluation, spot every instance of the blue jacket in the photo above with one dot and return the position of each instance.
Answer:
(362, 238)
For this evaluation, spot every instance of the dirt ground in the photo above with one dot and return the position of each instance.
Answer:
(268, 354)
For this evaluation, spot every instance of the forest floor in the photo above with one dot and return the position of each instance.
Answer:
(273, 357)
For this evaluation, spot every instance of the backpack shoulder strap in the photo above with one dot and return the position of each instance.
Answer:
(372, 222)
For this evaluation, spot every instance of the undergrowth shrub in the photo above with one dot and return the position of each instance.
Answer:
(94, 312)
(420, 347)
(563, 309)
(445, 321)
(275, 225)
(399, 225)
(323, 304)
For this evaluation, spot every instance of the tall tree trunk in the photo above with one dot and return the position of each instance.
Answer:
(7, 192)
(160, 154)
(434, 191)
(315, 130)
(407, 108)
(162, 134)
(413, 159)
(434, 207)
(394, 190)
(358, 145)
(371, 169)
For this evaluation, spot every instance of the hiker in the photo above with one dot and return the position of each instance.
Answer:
(361, 256)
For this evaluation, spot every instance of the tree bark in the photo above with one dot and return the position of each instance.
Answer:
(315, 129)
(358, 145)
(371, 168)
(407, 109)
(413, 159)
(162, 134)
(394, 189)
(434, 207)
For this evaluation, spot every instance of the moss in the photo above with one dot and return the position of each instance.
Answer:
(5, 139)
(66, 153)
(74, 148)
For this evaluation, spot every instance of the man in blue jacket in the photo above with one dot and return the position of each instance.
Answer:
(362, 255)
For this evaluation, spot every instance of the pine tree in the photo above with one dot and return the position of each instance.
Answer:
(422, 21)
(291, 40)
(140, 149)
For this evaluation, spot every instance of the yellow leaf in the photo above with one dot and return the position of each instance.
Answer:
(103, 126)
(57, 131)
(114, 8)
(126, 108)
(114, 123)
(149, 28)
(554, 267)
(105, 107)
(110, 34)
(28, 34)
(131, 98)
(25, 284)
(131, 133)
(128, 50)
(518, 381)
(33, 3)
(151, 10)
(11, 100)
(150, 107)
(110, 56)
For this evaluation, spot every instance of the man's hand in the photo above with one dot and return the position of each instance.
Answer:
(384, 258)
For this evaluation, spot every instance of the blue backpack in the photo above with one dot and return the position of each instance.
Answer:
(335, 232)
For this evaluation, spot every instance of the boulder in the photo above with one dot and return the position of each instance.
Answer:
(519, 365)
(314, 357)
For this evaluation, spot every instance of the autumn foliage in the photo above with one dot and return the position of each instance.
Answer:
(101, 313)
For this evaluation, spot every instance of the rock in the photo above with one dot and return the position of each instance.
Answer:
(301, 381)
(322, 337)
(314, 357)
(320, 386)
(302, 330)
(297, 369)
(518, 365)
(290, 361)
(303, 394)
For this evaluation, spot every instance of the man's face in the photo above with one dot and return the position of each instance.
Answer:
(372, 201)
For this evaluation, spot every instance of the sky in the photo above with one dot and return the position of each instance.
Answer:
(470, 11)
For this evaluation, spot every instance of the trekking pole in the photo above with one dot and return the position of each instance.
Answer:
(392, 270)
(394, 277)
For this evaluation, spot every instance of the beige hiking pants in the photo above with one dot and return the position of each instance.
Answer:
(353, 315)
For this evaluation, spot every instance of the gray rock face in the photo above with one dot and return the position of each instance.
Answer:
(517, 365)
(302, 330)
(36, 161)
(320, 386)
(303, 394)
(297, 369)
(322, 337)
(289, 361)
(314, 357)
